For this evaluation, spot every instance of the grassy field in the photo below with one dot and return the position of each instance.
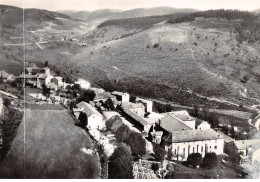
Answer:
(220, 172)
(52, 148)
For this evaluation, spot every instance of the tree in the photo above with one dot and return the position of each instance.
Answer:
(122, 133)
(46, 63)
(170, 175)
(137, 143)
(159, 152)
(194, 159)
(155, 167)
(109, 104)
(87, 95)
(120, 165)
(46, 91)
(6, 102)
(83, 120)
(210, 160)
(113, 123)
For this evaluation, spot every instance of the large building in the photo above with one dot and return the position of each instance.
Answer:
(180, 144)
(94, 118)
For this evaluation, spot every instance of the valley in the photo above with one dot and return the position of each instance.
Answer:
(190, 63)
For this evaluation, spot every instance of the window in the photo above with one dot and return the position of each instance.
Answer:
(184, 151)
(201, 149)
(216, 147)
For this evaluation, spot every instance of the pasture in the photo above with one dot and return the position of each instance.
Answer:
(51, 146)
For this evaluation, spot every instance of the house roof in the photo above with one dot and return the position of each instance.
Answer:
(182, 115)
(226, 138)
(117, 93)
(104, 95)
(88, 109)
(27, 76)
(42, 76)
(199, 122)
(4, 74)
(170, 124)
(192, 135)
(34, 70)
(130, 105)
(243, 144)
(137, 117)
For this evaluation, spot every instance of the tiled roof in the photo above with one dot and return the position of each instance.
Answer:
(192, 135)
(104, 95)
(199, 121)
(226, 138)
(243, 144)
(171, 124)
(27, 76)
(117, 93)
(130, 105)
(182, 115)
(88, 109)
(137, 118)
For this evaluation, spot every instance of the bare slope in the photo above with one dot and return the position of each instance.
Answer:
(202, 56)
(52, 149)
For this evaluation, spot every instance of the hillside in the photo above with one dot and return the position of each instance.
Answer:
(256, 10)
(108, 14)
(200, 57)
(53, 149)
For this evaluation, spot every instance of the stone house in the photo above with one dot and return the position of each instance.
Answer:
(180, 144)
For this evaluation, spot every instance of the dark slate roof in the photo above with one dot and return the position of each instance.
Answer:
(192, 135)
(226, 138)
(243, 144)
(198, 122)
(88, 109)
(170, 124)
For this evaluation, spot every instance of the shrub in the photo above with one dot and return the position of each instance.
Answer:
(122, 133)
(113, 123)
(155, 166)
(7, 102)
(137, 143)
(155, 45)
(159, 152)
(83, 120)
(210, 160)
(194, 159)
(120, 165)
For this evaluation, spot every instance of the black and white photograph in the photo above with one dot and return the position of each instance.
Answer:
(129, 89)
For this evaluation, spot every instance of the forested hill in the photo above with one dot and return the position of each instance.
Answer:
(248, 30)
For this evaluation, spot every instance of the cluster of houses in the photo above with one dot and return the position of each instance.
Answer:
(180, 133)
(33, 76)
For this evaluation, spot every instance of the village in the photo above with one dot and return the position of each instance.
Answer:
(167, 139)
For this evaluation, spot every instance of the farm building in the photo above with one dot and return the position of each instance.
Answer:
(95, 119)
(248, 149)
